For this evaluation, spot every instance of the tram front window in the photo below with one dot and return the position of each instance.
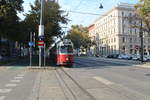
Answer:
(66, 49)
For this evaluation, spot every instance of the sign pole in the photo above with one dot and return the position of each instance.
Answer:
(30, 50)
(44, 54)
(40, 62)
(41, 46)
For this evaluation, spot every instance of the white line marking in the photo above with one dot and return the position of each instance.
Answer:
(15, 81)
(10, 85)
(5, 90)
(104, 81)
(21, 75)
(2, 97)
(18, 77)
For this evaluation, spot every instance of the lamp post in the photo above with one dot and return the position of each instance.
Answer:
(141, 37)
(41, 31)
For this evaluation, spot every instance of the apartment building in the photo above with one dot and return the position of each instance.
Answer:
(113, 33)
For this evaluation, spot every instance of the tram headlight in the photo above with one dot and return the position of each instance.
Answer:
(67, 59)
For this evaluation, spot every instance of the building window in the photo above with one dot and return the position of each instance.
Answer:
(130, 46)
(130, 30)
(130, 40)
(131, 51)
(122, 14)
(123, 27)
(114, 40)
(135, 40)
(148, 40)
(123, 39)
(135, 31)
(135, 51)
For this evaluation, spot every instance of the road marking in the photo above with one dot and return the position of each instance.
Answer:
(19, 77)
(5, 90)
(10, 85)
(104, 81)
(2, 97)
(15, 81)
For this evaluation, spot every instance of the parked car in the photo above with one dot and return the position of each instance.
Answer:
(113, 56)
(110, 56)
(96, 55)
(148, 58)
(125, 56)
(135, 57)
(138, 57)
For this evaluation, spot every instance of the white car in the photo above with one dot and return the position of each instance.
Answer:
(124, 56)
(135, 57)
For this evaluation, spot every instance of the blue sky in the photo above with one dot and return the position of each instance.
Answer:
(91, 6)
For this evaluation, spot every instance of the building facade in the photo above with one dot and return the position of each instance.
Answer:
(114, 34)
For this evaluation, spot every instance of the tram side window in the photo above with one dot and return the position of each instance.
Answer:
(66, 49)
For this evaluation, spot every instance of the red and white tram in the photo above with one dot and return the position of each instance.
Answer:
(62, 53)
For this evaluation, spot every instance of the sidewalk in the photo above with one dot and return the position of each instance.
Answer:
(47, 87)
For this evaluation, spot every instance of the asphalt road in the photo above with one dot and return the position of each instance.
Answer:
(117, 80)
(89, 79)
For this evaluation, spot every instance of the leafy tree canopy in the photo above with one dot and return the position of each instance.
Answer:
(143, 10)
(79, 36)
(53, 17)
(9, 21)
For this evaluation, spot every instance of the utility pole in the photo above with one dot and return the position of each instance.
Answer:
(141, 37)
(41, 31)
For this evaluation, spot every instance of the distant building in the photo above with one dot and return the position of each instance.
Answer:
(114, 35)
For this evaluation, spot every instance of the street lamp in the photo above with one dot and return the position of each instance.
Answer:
(141, 37)
(41, 31)
(101, 6)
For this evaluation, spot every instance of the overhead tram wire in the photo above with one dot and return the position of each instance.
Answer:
(96, 14)
(76, 7)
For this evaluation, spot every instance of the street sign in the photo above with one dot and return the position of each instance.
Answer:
(41, 43)
(30, 44)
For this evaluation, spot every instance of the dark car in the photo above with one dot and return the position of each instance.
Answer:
(113, 56)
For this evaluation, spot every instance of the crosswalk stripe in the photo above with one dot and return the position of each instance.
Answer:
(5, 90)
(15, 81)
(2, 97)
(10, 85)
(104, 81)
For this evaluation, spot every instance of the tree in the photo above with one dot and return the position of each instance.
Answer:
(53, 17)
(79, 36)
(9, 21)
(143, 11)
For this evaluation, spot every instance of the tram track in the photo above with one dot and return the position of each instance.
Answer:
(74, 90)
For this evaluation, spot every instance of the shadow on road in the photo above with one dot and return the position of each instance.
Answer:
(23, 62)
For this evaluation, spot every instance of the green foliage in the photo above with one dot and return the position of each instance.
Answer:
(79, 36)
(9, 21)
(143, 10)
(53, 16)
